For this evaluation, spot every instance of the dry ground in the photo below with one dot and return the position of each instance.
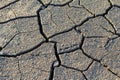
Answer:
(60, 39)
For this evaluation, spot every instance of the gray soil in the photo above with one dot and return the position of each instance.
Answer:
(59, 39)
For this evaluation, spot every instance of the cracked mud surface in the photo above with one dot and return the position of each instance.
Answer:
(59, 40)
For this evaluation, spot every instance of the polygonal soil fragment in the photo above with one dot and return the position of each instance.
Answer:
(20, 23)
(98, 72)
(6, 32)
(113, 57)
(36, 64)
(58, 22)
(62, 73)
(6, 14)
(25, 7)
(28, 24)
(114, 16)
(77, 15)
(95, 47)
(9, 69)
(75, 59)
(55, 20)
(58, 19)
(20, 8)
(95, 5)
(23, 41)
(67, 41)
(96, 27)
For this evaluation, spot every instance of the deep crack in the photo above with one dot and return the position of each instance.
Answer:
(69, 49)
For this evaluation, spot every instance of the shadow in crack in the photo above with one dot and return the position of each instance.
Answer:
(59, 63)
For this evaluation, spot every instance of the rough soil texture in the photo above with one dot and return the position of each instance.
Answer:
(59, 39)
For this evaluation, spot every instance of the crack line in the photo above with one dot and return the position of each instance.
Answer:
(9, 4)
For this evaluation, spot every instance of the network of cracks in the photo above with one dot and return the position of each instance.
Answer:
(77, 31)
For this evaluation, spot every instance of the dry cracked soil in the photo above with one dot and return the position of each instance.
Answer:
(59, 39)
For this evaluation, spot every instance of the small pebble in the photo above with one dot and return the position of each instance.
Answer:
(56, 64)
(1, 53)
(42, 7)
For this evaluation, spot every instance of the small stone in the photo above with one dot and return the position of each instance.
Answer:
(55, 63)
(43, 7)
(1, 53)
